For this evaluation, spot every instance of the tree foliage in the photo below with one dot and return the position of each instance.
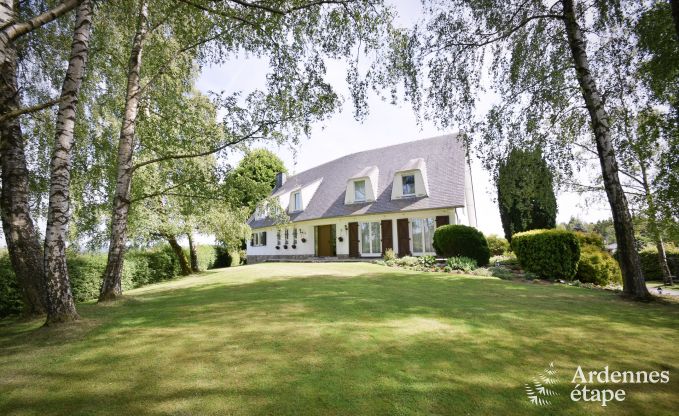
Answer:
(525, 192)
(254, 177)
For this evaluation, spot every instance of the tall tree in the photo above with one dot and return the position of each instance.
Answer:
(21, 236)
(537, 60)
(254, 177)
(295, 37)
(525, 193)
(60, 305)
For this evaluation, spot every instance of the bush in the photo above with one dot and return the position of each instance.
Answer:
(427, 261)
(548, 253)
(650, 266)
(591, 238)
(10, 294)
(597, 266)
(389, 255)
(462, 263)
(498, 246)
(460, 240)
(407, 261)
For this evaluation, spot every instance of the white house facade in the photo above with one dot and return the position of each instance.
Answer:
(363, 204)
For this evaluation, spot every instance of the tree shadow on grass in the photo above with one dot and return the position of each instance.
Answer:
(380, 343)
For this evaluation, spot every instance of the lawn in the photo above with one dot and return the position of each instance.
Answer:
(337, 339)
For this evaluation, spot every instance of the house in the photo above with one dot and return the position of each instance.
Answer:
(362, 204)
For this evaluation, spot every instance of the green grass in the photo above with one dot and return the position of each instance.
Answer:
(336, 339)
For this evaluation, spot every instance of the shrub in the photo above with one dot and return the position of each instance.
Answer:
(10, 294)
(460, 240)
(597, 266)
(427, 261)
(591, 238)
(407, 261)
(649, 262)
(389, 255)
(548, 253)
(502, 273)
(498, 246)
(465, 264)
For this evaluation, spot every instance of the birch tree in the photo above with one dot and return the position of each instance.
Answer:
(536, 57)
(60, 305)
(21, 236)
(296, 37)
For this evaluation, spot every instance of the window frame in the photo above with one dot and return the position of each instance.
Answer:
(371, 238)
(424, 225)
(365, 195)
(403, 184)
(257, 239)
(295, 196)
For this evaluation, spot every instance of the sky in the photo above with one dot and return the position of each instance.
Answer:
(386, 125)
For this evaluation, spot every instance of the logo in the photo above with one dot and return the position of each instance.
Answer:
(538, 393)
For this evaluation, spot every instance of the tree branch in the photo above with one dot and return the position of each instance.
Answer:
(27, 110)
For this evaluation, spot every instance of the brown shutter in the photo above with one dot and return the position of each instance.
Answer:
(387, 236)
(403, 232)
(263, 238)
(442, 220)
(353, 239)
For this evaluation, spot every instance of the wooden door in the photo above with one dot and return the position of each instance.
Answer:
(387, 236)
(403, 235)
(353, 240)
(325, 246)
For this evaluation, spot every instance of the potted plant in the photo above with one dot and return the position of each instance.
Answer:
(340, 238)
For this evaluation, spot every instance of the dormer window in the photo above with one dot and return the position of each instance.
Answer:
(359, 191)
(297, 201)
(408, 185)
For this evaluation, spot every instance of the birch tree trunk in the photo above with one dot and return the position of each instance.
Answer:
(633, 280)
(23, 243)
(111, 285)
(193, 254)
(179, 252)
(655, 230)
(60, 305)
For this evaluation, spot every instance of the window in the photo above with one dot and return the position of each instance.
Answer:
(287, 236)
(359, 191)
(297, 201)
(408, 185)
(294, 236)
(423, 234)
(278, 238)
(370, 238)
(258, 239)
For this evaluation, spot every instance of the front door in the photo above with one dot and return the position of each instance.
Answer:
(325, 240)
(387, 236)
(403, 235)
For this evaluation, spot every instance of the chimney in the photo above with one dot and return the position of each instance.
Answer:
(280, 179)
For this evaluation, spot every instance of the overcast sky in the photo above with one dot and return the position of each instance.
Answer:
(386, 125)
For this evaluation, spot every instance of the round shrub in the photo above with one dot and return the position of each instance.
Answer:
(591, 238)
(548, 253)
(461, 240)
(597, 266)
(497, 245)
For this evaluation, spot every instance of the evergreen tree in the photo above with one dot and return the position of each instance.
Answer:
(525, 193)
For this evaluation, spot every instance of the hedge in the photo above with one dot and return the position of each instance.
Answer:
(461, 240)
(497, 245)
(548, 253)
(650, 266)
(597, 266)
(141, 267)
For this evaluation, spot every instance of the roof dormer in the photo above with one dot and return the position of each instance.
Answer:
(362, 187)
(411, 180)
(298, 198)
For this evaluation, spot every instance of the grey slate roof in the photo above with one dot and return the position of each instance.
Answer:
(445, 164)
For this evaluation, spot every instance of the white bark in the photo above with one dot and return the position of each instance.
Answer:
(60, 305)
(111, 286)
(633, 280)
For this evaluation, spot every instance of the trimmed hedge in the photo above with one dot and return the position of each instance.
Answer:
(141, 267)
(461, 241)
(497, 245)
(590, 238)
(649, 262)
(548, 253)
(597, 266)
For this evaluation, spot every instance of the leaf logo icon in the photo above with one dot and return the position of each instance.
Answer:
(537, 392)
